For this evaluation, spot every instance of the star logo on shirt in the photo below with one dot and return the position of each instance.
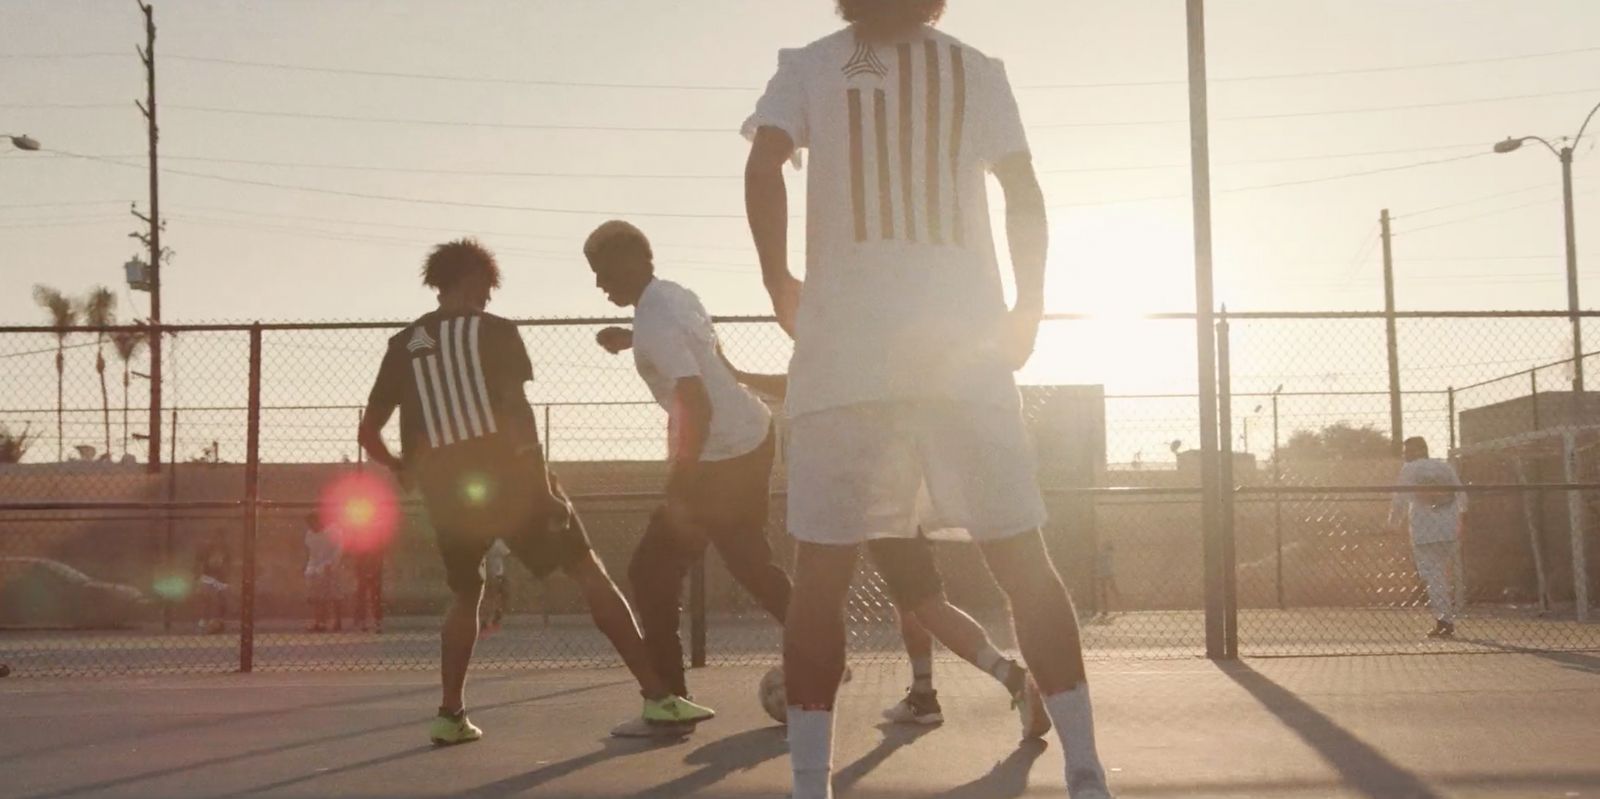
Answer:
(420, 340)
(863, 61)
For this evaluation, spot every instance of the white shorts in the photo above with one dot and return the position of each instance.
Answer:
(855, 471)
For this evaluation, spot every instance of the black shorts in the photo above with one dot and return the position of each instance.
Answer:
(908, 569)
(470, 508)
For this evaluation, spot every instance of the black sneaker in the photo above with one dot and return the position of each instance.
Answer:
(918, 707)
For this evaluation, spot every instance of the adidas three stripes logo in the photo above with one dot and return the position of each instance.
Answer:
(450, 382)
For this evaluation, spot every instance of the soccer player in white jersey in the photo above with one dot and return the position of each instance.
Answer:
(904, 347)
(1434, 517)
(469, 443)
(720, 451)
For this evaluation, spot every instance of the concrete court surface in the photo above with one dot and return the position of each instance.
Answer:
(1509, 725)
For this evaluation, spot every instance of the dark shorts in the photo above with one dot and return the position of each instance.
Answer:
(470, 508)
(908, 569)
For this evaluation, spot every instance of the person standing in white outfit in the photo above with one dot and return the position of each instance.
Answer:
(1433, 512)
(905, 349)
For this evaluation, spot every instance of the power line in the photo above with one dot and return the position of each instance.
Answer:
(723, 176)
(571, 240)
(417, 200)
(687, 215)
(1458, 204)
(552, 256)
(1473, 217)
(71, 203)
(1321, 73)
(376, 73)
(1327, 112)
(730, 129)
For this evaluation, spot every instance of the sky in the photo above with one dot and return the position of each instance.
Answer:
(1324, 112)
(246, 251)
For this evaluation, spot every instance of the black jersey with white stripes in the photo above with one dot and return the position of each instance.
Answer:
(454, 377)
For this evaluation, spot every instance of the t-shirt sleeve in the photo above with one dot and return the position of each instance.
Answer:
(388, 390)
(508, 361)
(783, 105)
(1000, 132)
(666, 340)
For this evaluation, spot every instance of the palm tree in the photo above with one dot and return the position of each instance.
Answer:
(127, 344)
(100, 310)
(63, 314)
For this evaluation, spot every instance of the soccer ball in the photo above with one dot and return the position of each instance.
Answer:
(773, 698)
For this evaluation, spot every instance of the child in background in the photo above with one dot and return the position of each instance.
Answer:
(212, 564)
(322, 575)
(495, 593)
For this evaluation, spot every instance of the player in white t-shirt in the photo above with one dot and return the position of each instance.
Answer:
(720, 446)
(904, 346)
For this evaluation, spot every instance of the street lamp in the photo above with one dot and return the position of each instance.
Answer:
(1564, 154)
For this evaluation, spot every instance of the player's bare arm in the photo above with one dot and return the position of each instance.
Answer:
(614, 339)
(766, 205)
(524, 432)
(1028, 231)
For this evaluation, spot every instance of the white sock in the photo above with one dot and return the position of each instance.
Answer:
(1074, 719)
(989, 658)
(997, 665)
(811, 752)
(922, 673)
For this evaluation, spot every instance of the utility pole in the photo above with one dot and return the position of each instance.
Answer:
(147, 54)
(1572, 274)
(1214, 550)
(1396, 418)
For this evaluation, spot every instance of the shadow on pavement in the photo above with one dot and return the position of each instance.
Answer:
(319, 774)
(1576, 661)
(1361, 767)
(609, 748)
(721, 758)
(190, 725)
(1008, 778)
(287, 747)
(895, 738)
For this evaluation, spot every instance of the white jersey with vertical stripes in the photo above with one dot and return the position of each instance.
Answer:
(903, 295)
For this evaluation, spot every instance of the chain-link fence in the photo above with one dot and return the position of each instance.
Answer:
(104, 562)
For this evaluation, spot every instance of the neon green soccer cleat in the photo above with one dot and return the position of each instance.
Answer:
(448, 730)
(676, 710)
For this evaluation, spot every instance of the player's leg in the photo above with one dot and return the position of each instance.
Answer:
(558, 541)
(462, 554)
(1433, 565)
(919, 650)
(981, 476)
(656, 573)
(733, 498)
(813, 660)
(912, 575)
(1458, 580)
(852, 474)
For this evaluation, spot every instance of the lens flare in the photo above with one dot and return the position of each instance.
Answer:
(172, 587)
(475, 488)
(362, 508)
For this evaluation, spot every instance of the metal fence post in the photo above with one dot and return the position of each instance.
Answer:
(697, 613)
(1392, 340)
(1450, 404)
(1225, 505)
(166, 541)
(252, 486)
(1277, 502)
